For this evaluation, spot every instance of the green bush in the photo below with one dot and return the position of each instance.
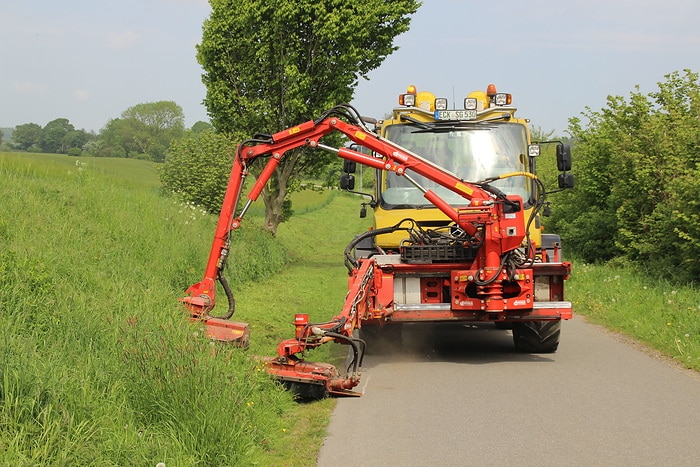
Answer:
(638, 175)
(197, 169)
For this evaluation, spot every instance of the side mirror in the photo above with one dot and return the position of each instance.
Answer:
(349, 167)
(347, 182)
(563, 157)
(565, 181)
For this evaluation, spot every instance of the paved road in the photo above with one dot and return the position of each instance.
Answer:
(457, 396)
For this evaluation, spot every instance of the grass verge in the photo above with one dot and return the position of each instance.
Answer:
(98, 364)
(664, 316)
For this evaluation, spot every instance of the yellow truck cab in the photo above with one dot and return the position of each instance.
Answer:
(483, 139)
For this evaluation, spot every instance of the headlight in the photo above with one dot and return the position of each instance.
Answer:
(470, 103)
(503, 99)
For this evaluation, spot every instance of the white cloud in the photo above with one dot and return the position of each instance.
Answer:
(123, 40)
(81, 94)
(29, 87)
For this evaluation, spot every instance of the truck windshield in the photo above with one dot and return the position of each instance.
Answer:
(471, 152)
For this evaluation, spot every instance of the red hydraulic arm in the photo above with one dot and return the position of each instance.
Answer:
(479, 218)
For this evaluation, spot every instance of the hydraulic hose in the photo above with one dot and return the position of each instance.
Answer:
(358, 355)
(229, 297)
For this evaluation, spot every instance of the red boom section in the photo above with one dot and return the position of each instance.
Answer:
(201, 297)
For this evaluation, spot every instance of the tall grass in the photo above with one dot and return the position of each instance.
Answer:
(98, 364)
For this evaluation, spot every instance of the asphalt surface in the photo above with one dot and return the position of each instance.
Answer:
(459, 395)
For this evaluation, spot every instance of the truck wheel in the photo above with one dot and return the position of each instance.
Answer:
(536, 336)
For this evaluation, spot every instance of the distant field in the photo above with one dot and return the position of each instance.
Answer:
(119, 170)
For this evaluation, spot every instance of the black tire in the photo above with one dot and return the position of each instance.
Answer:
(537, 336)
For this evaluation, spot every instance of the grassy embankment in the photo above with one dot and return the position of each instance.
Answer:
(99, 366)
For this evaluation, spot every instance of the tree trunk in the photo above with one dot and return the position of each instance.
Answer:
(276, 190)
(273, 209)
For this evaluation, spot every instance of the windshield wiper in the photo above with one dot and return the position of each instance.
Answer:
(416, 122)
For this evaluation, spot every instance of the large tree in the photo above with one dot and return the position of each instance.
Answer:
(272, 64)
(146, 128)
(53, 135)
(120, 138)
(26, 135)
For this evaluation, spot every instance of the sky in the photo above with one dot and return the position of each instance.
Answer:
(89, 60)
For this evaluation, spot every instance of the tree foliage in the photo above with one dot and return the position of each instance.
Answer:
(26, 136)
(58, 136)
(638, 179)
(53, 136)
(271, 65)
(201, 126)
(197, 166)
(144, 130)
